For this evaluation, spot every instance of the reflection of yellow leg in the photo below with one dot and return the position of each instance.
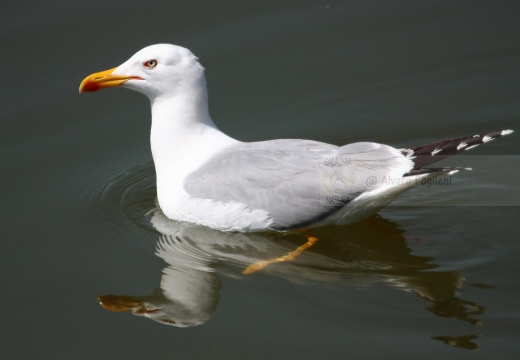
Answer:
(259, 265)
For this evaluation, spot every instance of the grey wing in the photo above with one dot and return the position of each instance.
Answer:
(298, 182)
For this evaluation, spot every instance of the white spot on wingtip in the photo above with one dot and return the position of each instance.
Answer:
(461, 145)
(436, 151)
(506, 132)
(453, 172)
(487, 138)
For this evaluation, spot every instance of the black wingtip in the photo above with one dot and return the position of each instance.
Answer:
(430, 153)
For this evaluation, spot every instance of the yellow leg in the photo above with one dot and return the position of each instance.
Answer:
(259, 265)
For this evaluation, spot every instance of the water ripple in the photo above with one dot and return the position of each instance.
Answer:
(124, 198)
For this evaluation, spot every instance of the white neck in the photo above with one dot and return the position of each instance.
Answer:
(183, 137)
(174, 118)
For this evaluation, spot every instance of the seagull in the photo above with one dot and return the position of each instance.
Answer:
(208, 178)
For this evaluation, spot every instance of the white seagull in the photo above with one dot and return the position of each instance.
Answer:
(208, 178)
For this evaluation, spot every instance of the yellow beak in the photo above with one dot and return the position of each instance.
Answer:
(124, 303)
(102, 80)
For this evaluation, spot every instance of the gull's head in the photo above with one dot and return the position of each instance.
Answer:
(156, 70)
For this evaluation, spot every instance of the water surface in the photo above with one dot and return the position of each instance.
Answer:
(432, 276)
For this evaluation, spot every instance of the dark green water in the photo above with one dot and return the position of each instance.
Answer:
(433, 276)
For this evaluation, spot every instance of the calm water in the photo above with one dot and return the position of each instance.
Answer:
(434, 276)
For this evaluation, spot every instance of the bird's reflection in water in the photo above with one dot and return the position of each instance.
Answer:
(361, 254)
(464, 342)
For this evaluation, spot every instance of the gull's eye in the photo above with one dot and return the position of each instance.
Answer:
(150, 64)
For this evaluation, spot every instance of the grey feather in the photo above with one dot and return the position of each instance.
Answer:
(298, 182)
